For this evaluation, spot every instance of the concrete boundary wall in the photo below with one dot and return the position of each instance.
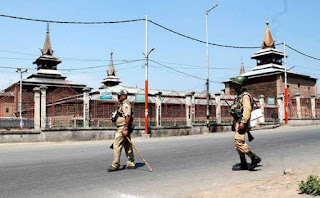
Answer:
(303, 122)
(83, 134)
(107, 133)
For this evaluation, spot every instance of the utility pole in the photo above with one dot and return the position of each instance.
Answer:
(285, 82)
(207, 83)
(146, 54)
(21, 71)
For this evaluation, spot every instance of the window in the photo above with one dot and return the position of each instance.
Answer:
(298, 84)
(271, 101)
(7, 110)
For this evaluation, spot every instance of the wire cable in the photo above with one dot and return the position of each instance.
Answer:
(93, 67)
(7, 67)
(195, 66)
(70, 22)
(197, 77)
(302, 53)
(200, 41)
(132, 20)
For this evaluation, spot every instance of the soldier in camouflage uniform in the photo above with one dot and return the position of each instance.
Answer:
(241, 111)
(122, 120)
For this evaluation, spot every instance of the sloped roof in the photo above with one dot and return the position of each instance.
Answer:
(269, 72)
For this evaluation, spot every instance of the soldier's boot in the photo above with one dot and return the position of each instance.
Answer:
(243, 164)
(130, 165)
(112, 168)
(255, 160)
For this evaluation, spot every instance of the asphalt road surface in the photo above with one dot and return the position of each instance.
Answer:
(182, 166)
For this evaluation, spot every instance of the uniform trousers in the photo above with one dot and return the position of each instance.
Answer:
(239, 141)
(119, 142)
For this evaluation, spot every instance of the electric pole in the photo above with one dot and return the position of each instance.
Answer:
(207, 83)
(146, 54)
(21, 71)
(285, 83)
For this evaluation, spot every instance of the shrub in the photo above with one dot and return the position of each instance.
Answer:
(311, 186)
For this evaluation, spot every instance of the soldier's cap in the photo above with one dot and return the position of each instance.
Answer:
(123, 92)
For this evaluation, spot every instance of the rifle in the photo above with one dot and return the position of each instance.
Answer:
(250, 137)
(237, 114)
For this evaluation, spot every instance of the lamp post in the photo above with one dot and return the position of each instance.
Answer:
(21, 71)
(146, 91)
(207, 83)
(146, 81)
(285, 84)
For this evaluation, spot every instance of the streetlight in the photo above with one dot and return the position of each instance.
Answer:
(286, 82)
(146, 92)
(207, 83)
(21, 71)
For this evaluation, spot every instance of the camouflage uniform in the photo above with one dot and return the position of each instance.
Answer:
(241, 111)
(244, 103)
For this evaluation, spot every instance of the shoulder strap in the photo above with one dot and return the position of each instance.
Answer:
(253, 102)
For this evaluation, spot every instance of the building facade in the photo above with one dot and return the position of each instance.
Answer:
(52, 83)
(267, 77)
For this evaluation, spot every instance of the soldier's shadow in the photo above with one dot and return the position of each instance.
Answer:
(257, 168)
(138, 165)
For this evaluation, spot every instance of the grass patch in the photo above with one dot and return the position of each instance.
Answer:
(311, 186)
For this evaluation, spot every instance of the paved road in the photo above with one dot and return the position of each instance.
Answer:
(182, 166)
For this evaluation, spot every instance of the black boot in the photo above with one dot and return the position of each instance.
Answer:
(243, 164)
(255, 160)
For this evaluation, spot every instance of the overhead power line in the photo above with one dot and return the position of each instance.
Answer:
(126, 21)
(302, 53)
(92, 67)
(197, 77)
(70, 22)
(7, 67)
(161, 26)
(200, 41)
(190, 66)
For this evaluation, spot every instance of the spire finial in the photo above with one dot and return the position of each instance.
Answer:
(242, 71)
(47, 27)
(47, 49)
(268, 41)
(111, 70)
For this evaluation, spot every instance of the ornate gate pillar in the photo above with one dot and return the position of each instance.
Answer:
(86, 106)
(158, 108)
(43, 106)
(189, 108)
(36, 114)
(262, 105)
(298, 105)
(218, 106)
(313, 105)
(280, 101)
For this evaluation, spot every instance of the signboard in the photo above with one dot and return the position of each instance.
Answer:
(105, 94)
(271, 101)
(140, 98)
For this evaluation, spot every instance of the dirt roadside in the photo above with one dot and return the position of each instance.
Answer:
(283, 186)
